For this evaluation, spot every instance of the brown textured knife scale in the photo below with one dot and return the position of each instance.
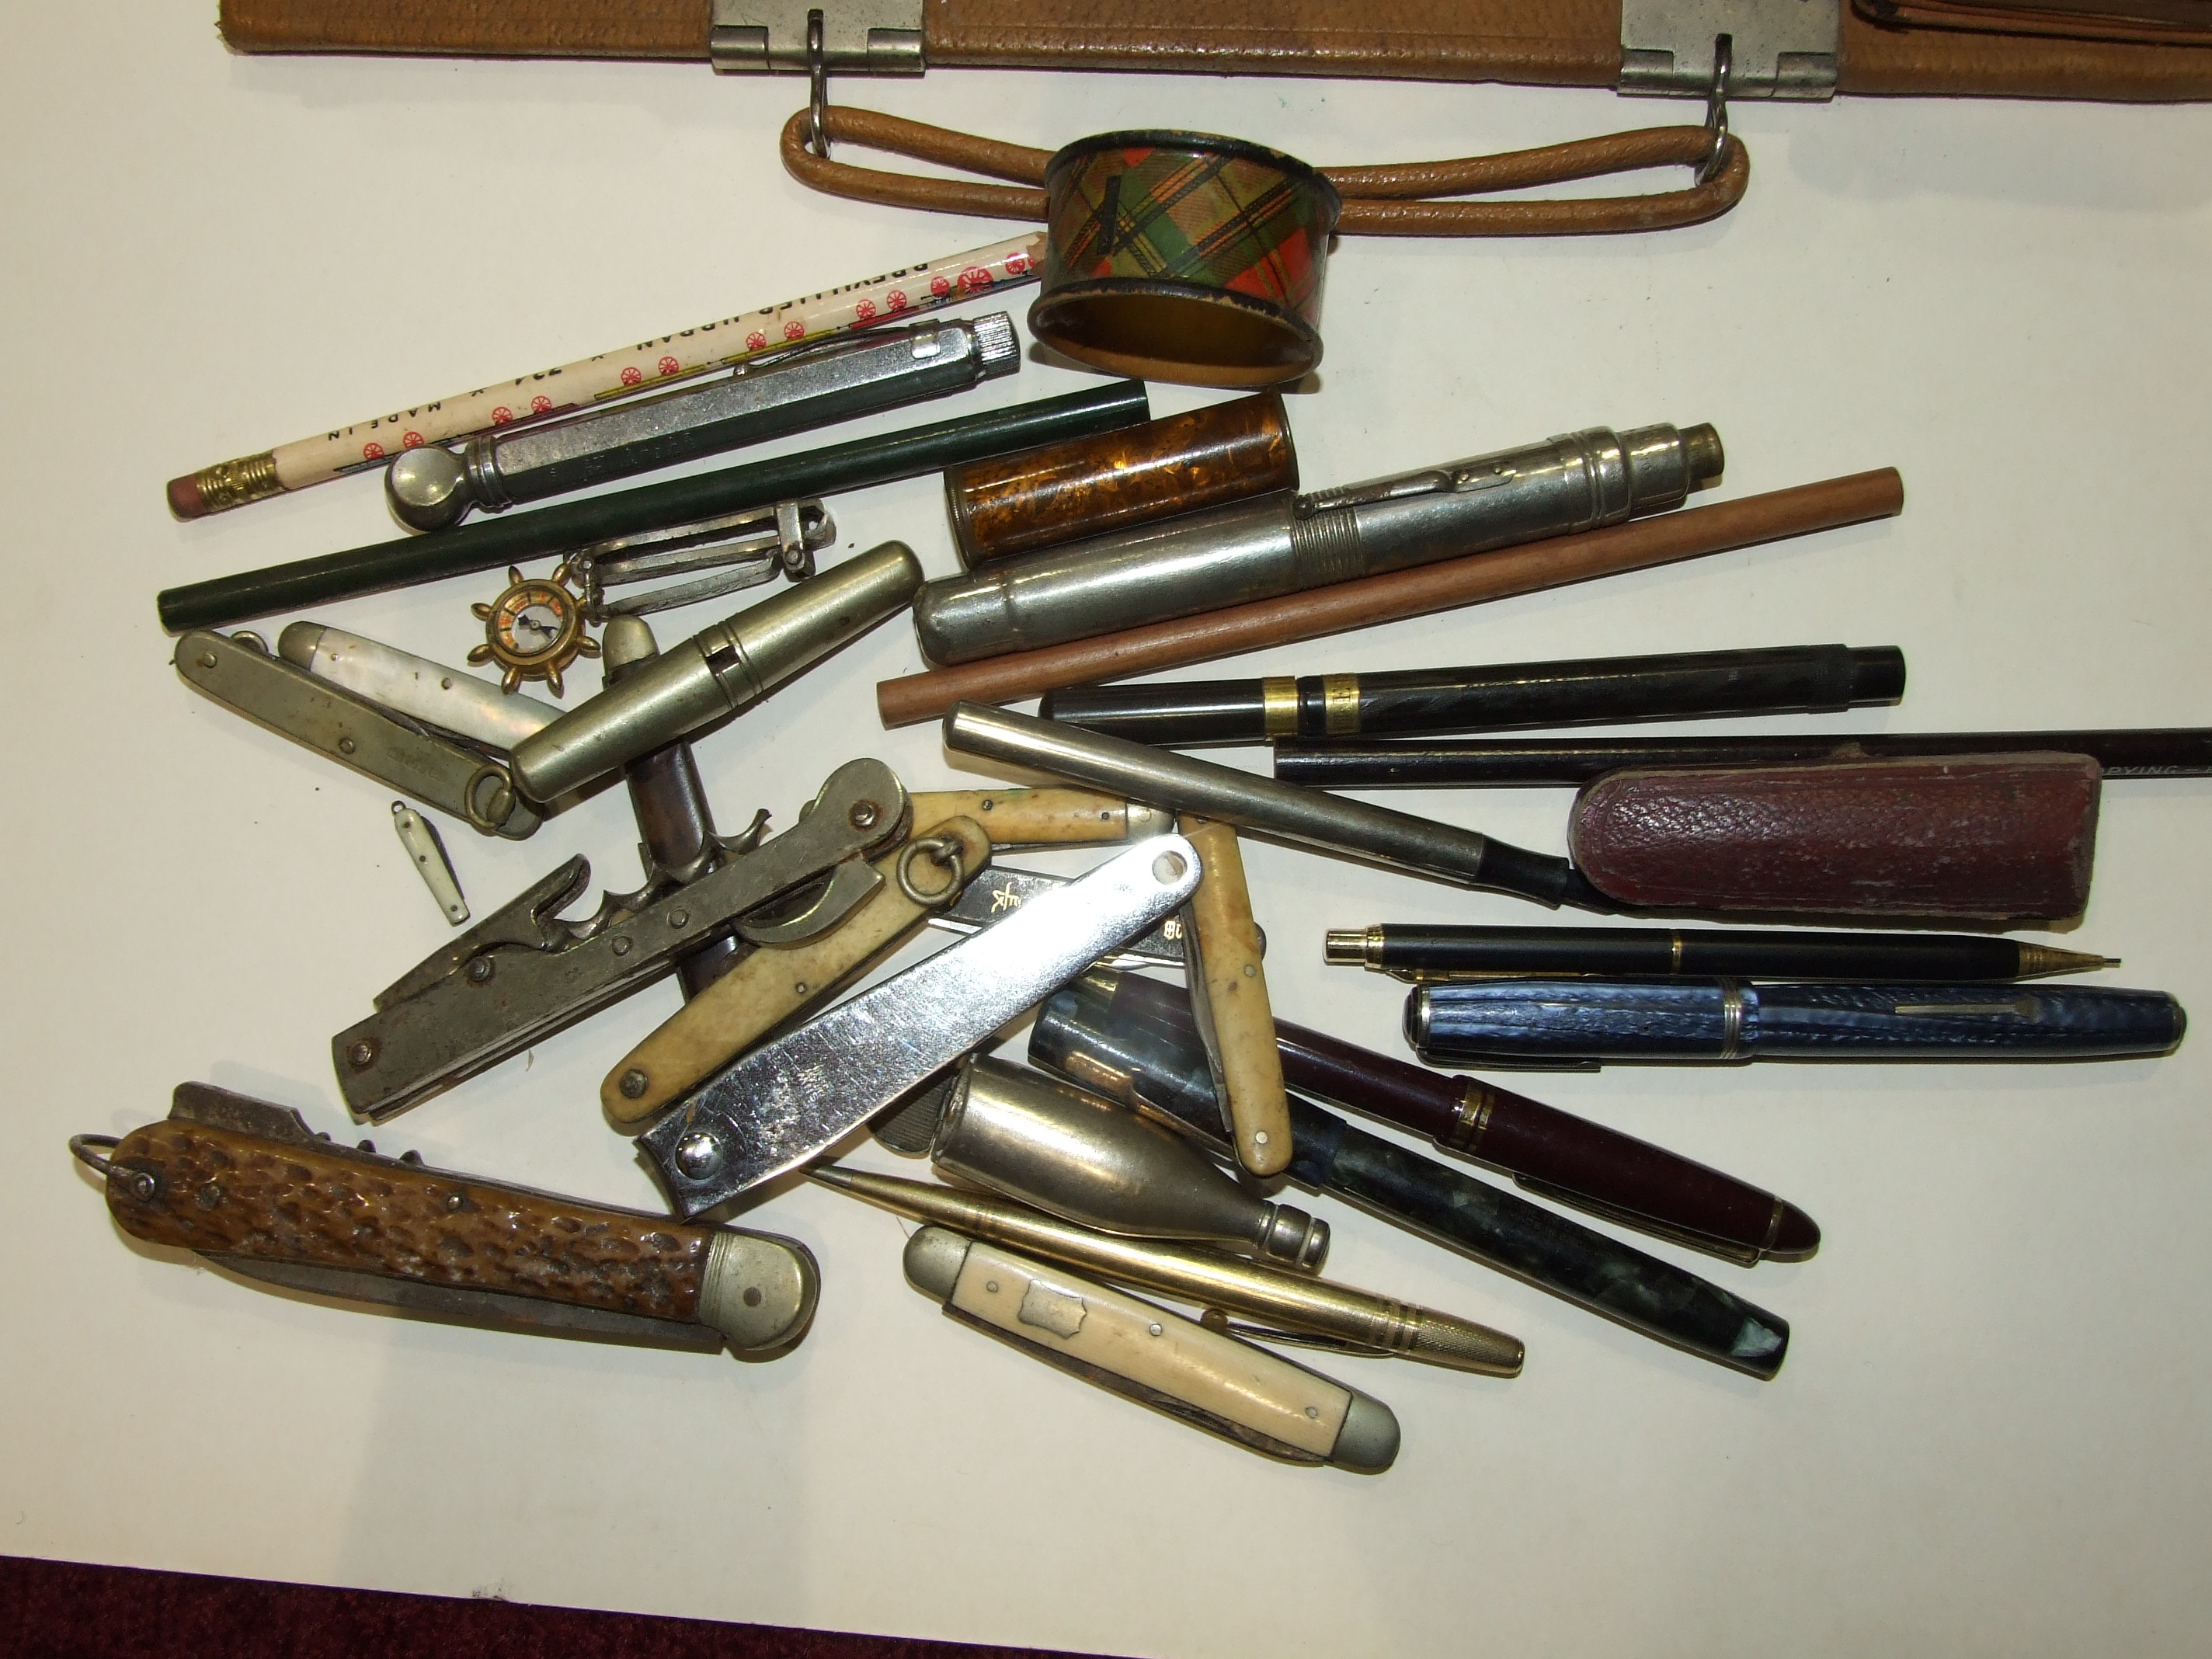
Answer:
(199, 1186)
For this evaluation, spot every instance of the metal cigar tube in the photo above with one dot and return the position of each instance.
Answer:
(1278, 544)
(717, 672)
(433, 487)
(1038, 1139)
(1307, 817)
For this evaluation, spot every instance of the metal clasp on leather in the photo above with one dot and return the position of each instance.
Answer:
(1779, 48)
(859, 37)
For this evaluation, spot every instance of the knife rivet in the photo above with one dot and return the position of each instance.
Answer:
(634, 1083)
(480, 969)
(679, 918)
(454, 1202)
(1168, 868)
(864, 815)
(208, 1196)
(142, 1186)
(361, 1055)
(345, 745)
(207, 658)
(753, 1297)
(621, 946)
(1155, 1327)
(698, 1154)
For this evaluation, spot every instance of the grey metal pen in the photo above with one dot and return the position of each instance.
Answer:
(1309, 817)
(1284, 543)
(433, 489)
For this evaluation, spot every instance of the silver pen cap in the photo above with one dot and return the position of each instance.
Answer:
(717, 672)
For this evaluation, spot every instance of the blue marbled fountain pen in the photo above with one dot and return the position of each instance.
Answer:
(1572, 1022)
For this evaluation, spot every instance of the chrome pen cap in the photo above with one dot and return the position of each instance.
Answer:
(1043, 1141)
(717, 672)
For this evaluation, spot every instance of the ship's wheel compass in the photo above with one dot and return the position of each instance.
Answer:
(533, 630)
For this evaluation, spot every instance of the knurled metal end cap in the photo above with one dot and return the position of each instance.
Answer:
(1367, 1442)
(998, 348)
(1703, 458)
(1344, 947)
(1464, 1346)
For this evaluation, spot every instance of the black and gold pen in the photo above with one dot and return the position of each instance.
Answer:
(1426, 955)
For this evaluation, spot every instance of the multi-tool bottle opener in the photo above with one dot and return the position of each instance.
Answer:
(525, 972)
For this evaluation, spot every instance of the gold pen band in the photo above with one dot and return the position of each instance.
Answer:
(1470, 1119)
(1340, 704)
(1278, 707)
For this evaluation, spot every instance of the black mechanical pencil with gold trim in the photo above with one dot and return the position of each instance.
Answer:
(1433, 702)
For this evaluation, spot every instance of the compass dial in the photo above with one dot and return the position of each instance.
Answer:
(533, 630)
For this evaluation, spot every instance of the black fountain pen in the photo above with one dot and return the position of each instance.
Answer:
(1439, 955)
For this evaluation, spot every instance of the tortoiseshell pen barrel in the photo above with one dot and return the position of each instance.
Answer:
(1544, 1150)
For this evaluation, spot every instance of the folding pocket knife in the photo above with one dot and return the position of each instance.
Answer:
(250, 1188)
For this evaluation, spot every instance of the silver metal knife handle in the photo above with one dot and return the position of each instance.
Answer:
(794, 1099)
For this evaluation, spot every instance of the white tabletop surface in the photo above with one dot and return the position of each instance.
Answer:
(1990, 1434)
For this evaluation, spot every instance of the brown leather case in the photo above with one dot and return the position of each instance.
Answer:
(1994, 836)
(1532, 42)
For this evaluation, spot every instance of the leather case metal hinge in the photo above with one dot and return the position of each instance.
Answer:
(859, 37)
(1777, 48)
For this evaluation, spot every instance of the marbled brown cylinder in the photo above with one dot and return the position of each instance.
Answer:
(2000, 837)
(1180, 464)
(218, 1190)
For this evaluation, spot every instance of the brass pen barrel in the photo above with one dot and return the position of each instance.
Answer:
(1292, 1301)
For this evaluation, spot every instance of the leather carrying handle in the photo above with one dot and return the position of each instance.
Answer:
(1379, 201)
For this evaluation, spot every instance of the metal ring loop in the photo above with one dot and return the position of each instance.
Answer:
(1716, 105)
(818, 82)
(942, 850)
(81, 1148)
(502, 799)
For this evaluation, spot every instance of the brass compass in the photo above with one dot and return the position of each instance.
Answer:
(533, 630)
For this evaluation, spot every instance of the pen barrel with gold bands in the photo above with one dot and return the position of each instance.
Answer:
(1434, 702)
(1277, 1297)
(1552, 1152)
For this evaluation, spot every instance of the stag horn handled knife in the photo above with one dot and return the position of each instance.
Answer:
(250, 1188)
(794, 1099)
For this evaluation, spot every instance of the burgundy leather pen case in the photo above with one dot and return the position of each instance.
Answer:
(1996, 837)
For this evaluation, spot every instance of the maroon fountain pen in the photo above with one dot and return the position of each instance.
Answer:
(1547, 1152)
